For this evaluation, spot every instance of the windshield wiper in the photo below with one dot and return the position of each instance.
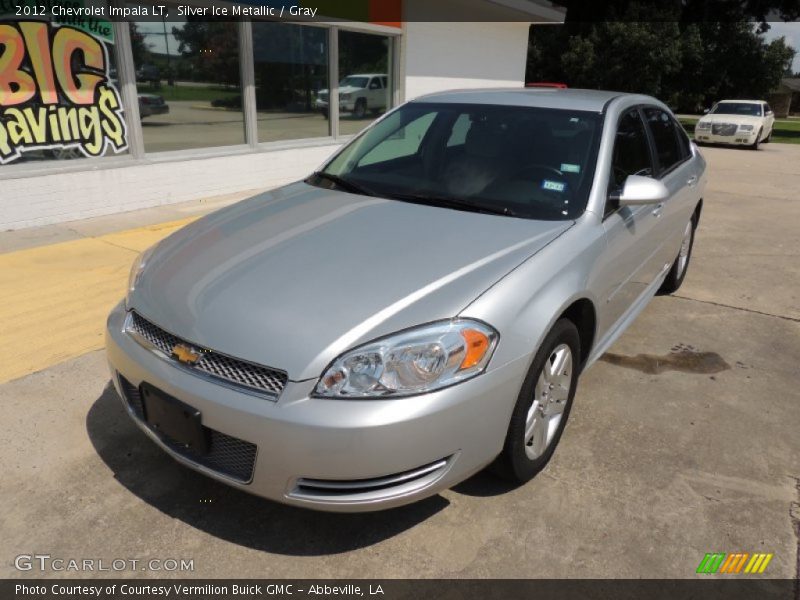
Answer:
(453, 202)
(346, 184)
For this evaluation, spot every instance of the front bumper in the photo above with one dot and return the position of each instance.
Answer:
(740, 138)
(340, 455)
(344, 105)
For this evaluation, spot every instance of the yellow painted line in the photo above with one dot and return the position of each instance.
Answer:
(764, 564)
(755, 562)
(55, 298)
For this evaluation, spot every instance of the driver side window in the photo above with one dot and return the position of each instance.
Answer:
(631, 154)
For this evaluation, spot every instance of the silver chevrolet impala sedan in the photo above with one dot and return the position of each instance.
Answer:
(420, 307)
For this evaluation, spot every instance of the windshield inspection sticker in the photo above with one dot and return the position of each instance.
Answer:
(570, 168)
(553, 186)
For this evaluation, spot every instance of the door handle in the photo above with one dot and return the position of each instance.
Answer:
(657, 210)
(691, 181)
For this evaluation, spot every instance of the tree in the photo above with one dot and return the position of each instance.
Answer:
(687, 64)
(212, 48)
(139, 48)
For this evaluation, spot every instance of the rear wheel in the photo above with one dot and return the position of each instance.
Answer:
(677, 273)
(768, 138)
(543, 405)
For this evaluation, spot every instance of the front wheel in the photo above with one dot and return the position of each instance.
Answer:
(543, 405)
(677, 273)
(754, 146)
(360, 109)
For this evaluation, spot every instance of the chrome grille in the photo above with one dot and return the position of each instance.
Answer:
(723, 128)
(227, 455)
(264, 380)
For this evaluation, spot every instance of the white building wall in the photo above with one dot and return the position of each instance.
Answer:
(443, 56)
(46, 199)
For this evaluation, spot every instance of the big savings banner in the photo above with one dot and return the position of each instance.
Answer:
(55, 92)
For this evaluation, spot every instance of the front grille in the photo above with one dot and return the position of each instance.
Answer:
(238, 372)
(387, 485)
(723, 128)
(227, 455)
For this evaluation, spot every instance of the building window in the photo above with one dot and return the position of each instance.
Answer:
(365, 87)
(291, 78)
(189, 84)
(59, 98)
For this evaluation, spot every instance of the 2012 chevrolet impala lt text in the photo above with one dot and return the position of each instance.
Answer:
(420, 307)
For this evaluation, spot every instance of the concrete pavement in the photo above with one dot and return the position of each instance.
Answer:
(657, 466)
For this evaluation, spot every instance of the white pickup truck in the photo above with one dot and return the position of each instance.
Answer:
(358, 94)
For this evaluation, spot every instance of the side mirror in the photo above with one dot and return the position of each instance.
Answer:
(706, 111)
(640, 190)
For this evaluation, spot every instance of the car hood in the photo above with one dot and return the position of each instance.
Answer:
(292, 278)
(738, 119)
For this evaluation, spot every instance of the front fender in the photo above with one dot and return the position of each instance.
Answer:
(524, 305)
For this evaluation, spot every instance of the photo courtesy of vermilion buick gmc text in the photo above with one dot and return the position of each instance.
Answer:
(419, 308)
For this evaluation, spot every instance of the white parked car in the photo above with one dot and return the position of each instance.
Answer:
(739, 122)
(358, 94)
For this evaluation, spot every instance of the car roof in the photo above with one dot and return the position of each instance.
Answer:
(741, 102)
(570, 98)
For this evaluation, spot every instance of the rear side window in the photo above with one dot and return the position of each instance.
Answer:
(664, 129)
(458, 135)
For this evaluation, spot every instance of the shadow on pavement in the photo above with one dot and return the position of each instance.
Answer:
(225, 512)
(484, 485)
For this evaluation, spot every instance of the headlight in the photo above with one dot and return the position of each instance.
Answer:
(703, 125)
(139, 263)
(412, 362)
(745, 127)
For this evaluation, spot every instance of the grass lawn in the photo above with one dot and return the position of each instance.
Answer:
(178, 93)
(786, 131)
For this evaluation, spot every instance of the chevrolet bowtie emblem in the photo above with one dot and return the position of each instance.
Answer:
(186, 354)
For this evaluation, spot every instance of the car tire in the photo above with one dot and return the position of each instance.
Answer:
(677, 272)
(768, 139)
(539, 410)
(754, 145)
(360, 109)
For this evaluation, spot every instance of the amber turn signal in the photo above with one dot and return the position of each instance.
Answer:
(477, 344)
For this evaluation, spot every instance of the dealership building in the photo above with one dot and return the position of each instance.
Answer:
(100, 117)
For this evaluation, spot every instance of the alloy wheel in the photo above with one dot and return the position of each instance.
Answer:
(550, 399)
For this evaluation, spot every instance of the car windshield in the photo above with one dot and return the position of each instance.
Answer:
(737, 108)
(356, 82)
(516, 161)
